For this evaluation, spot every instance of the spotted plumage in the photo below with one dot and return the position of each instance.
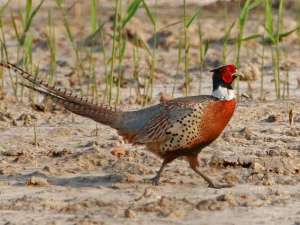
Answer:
(185, 131)
(179, 127)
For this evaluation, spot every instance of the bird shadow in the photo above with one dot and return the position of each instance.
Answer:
(74, 181)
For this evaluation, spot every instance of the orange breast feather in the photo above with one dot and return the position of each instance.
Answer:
(215, 118)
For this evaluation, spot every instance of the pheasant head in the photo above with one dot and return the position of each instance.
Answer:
(223, 78)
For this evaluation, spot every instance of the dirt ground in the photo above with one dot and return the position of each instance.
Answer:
(59, 168)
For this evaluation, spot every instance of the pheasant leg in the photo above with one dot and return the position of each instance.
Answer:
(194, 164)
(156, 178)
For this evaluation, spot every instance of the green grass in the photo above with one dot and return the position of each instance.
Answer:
(3, 49)
(79, 68)
(179, 56)
(51, 42)
(203, 48)
(241, 22)
(24, 37)
(110, 77)
(186, 51)
(262, 92)
(94, 21)
(152, 17)
(225, 43)
(111, 46)
(27, 20)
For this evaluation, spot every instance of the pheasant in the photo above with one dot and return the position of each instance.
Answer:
(171, 129)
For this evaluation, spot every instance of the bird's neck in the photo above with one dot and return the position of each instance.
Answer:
(223, 93)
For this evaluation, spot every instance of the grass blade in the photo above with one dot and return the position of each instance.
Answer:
(287, 33)
(151, 17)
(133, 7)
(253, 36)
(192, 18)
(269, 19)
(28, 19)
(15, 27)
(225, 42)
(94, 23)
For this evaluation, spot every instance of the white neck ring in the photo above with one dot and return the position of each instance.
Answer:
(224, 93)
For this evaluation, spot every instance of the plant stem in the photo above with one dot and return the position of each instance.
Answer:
(112, 65)
(186, 52)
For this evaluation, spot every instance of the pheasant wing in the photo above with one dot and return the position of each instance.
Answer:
(179, 118)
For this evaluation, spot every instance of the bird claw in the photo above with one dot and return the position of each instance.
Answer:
(154, 181)
(219, 186)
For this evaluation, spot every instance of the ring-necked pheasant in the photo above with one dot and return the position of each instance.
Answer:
(174, 128)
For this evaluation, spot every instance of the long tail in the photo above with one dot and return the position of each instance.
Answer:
(77, 104)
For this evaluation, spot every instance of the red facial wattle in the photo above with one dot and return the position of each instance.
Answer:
(227, 77)
(227, 73)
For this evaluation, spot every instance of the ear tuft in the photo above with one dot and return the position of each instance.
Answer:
(230, 67)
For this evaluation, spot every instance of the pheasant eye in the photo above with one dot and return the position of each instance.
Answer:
(227, 78)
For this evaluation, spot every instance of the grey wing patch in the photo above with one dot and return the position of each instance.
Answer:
(156, 129)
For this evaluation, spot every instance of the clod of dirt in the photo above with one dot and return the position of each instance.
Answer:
(250, 72)
(129, 213)
(268, 181)
(227, 198)
(209, 205)
(223, 161)
(102, 162)
(164, 97)
(60, 153)
(247, 133)
(119, 151)
(7, 170)
(244, 133)
(5, 116)
(231, 178)
(147, 193)
(298, 82)
(14, 152)
(287, 65)
(292, 132)
(25, 119)
(37, 181)
(130, 178)
(230, 200)
(167, 207)
(257, 167)
(176, 214)
(160, 39)
(46, 105)
(48, 169)
(271, 119)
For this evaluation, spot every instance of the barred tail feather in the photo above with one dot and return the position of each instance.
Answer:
(77, 104)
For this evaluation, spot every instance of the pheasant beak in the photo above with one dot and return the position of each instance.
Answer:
(237, 74)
